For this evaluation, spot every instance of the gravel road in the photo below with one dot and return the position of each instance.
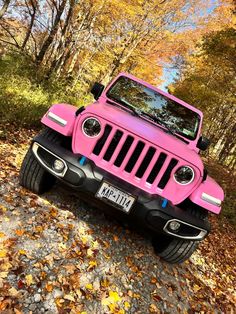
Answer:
(59, 254)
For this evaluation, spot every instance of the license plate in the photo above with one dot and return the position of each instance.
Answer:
(120, 199)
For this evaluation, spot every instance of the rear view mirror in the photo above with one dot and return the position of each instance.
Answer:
(97, 90)
(203, 143)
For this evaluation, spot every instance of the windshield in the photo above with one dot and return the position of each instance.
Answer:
(173, 115)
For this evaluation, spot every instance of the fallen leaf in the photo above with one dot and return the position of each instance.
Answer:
(90, 252)
(13, 292)
(115, 238)
(89, 286)
(196, 288)
(3, 274)
(153, 280)
(20, 232)
(29, 280)
(3, 253)
(92, 265)
(59, 302)
(127, 305)
(22, 252)
(49, 287)
(114, 296)
(153, 309)
(69, 297)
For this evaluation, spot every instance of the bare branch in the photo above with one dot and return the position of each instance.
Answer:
(4, 8)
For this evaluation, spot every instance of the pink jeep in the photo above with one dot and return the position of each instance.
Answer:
(136, 149)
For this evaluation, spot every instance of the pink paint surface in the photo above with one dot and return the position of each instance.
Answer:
(209, 187)
(64, 111)
(141, 130)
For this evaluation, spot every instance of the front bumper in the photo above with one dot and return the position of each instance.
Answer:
(149, 211)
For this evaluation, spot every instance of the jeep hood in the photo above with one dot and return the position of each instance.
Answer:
(146, 130)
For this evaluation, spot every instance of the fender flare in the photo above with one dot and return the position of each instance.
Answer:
(211, 188)
(61, 118)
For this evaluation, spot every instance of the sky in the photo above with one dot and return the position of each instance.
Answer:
(168, 77)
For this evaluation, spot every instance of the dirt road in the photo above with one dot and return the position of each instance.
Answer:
(58, 254)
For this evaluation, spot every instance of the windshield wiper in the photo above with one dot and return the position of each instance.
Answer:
(123, 104)
(140, 113)
(159, 121)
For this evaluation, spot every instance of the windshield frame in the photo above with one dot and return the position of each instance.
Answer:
(164, 95)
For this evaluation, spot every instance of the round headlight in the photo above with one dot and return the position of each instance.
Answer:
(184, 175)
(91, 127)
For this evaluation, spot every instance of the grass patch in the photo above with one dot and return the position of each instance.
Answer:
(25, 95)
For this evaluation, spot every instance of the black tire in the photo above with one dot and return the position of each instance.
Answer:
(174, 250)
(32, 175)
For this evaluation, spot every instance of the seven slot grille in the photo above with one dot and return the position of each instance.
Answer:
(133, 156)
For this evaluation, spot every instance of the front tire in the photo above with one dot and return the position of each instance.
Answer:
(176, 250)
(32, 175)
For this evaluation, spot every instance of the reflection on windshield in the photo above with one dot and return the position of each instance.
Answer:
(175, 116)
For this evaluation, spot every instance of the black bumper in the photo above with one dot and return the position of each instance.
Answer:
(149, 211)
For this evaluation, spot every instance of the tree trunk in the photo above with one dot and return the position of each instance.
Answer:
(4, 8)
(52, 33)
(31, 24)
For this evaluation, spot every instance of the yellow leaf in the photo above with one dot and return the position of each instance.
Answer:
(62, 247)
(2, 235)
(136, 296)
(29, 280)
(106, 256)
(6, 266)
(2, 208)
(112, 307)
(196, 288)
(153, 309)
(69, 297)
(22, 252)
(59, 302)
(95, 244)
(3, 253)
(39, 229)
(105, 283)
(92, 264)
(3, 274)
(90, 252)
(84, 240)
(13, 292)
(127, 305)
(114, 296)
(89, 286)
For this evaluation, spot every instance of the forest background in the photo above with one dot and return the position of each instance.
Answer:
(53, 50)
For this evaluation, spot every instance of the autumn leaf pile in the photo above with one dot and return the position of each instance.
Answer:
(59, 254)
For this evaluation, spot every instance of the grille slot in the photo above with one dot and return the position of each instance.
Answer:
(157, 167)
(124, 150)
(131, 163)
(166, 176)
(101, 142)
(135, 158)
(146, 161)
(112, 147)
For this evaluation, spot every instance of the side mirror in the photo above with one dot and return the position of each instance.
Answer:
(97, 90)
(203, 143)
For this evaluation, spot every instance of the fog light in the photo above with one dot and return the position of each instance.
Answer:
(174, 225)
(58, 165)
